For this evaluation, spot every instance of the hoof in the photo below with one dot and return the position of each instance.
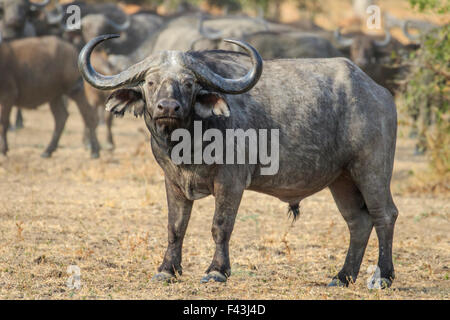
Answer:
(163, 277)
(385, 283)
(214, 275)
(46, 154)
(337, 283)
(95, 155)
(109, 146)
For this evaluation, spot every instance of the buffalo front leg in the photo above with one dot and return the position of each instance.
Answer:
(60, 116)
(228, 198)
(179, 213)
(5, 111)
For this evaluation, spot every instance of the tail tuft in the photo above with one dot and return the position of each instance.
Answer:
(294, 209)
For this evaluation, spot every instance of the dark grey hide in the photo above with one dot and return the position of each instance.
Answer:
(337, 130)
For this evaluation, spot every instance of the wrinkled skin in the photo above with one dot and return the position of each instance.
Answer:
(39, 70)
(337, 130)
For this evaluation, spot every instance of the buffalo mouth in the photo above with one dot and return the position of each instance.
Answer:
(168, 121)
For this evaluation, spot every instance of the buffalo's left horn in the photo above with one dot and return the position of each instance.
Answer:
(230, 86)
(386, 41)
(130, 76)
(39, 5)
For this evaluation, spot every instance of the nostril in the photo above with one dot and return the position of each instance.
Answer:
(160, 107)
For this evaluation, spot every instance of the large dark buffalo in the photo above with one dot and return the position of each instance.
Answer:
(39, 70)
(15, 22)
(337, 129)
(374, 54)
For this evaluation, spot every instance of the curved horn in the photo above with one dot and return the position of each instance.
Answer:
(55, 18)
(405, 28)
(131, 75)
(345, 42)
(230, 86)
(39, 5)
(119, 27)
(386, 41)
(217, 35)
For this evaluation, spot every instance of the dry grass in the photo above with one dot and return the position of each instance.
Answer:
(108, 216)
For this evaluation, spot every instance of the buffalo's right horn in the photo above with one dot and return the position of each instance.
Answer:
(345, 42)
(405, 28)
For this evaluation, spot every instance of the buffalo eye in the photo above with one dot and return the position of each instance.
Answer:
(188, 84)
(150, 83)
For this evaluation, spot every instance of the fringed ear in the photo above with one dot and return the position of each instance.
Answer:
(208, 104)
(125, 100)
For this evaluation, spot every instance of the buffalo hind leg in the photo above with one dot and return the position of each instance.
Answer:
(19, 120)
(353, 208)
(179, 213)
(109, 137)
(373, 181)
(227, 200)
(60, 116)
(5, 111)
(90, 119)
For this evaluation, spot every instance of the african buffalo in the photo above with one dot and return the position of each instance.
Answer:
(15, 22)
(337, 129)
(39, 70)
(373, 55)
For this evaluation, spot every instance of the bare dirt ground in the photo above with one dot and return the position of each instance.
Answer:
(109, 218)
